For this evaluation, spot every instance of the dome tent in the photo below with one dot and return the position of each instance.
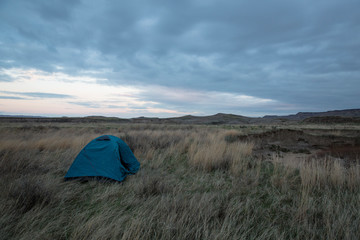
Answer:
(106, 157)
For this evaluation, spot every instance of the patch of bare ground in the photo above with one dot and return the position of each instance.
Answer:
(306, 143)
(195, 182)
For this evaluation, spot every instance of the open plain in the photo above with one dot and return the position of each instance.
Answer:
(294, 181)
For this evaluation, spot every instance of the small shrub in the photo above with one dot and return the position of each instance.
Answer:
(232, 136)
(278, 149)
(303, 150)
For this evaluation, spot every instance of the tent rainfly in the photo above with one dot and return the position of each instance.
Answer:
(106, 157)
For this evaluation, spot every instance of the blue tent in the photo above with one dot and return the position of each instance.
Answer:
(105, 157)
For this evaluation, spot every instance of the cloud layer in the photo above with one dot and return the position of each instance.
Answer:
(202, 56)
(92, 97)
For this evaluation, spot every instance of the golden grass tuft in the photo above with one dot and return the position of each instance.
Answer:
(212, 152)
(321, 173)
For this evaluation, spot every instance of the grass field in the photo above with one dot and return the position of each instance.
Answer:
(195, 182)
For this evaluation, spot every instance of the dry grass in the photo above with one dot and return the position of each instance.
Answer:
(195, 182)
(213, 152)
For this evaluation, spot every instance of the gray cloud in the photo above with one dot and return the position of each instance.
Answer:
(87, 104)
(6, 78)
(45, 95)
(303, 54)
(11, 97)
(36, 95)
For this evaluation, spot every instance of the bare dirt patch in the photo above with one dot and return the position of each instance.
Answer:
(306, 143)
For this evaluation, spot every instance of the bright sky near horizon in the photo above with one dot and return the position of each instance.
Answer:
(172, 58)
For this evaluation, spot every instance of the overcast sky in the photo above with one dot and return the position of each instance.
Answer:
(170, 58)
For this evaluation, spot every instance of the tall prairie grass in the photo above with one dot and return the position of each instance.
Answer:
(211, 151)
(195, 182)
